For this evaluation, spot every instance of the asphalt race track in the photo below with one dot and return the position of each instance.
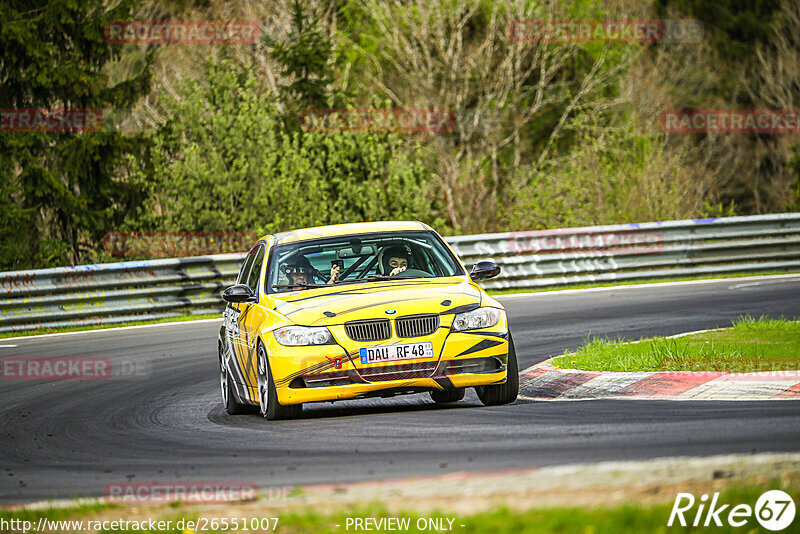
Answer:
(70, 438)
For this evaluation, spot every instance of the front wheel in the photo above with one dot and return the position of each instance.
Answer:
(507, 392)
(268, 395)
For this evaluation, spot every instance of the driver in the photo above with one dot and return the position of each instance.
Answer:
(300, 272)
(396, 260)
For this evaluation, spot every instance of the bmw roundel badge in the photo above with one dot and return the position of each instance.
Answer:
(390, 311)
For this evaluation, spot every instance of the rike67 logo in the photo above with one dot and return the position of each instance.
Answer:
(774, 510)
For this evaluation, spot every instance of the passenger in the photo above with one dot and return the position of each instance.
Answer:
(395, 260)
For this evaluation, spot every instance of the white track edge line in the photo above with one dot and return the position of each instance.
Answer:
(678, 399)
(114, 328)
(654, 284)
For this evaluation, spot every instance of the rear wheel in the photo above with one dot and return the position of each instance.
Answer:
(446, 396)
(268, 395)
(232, 406)
(508, 391)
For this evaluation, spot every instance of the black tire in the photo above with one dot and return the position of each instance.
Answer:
(268, 395)
(229, 400)
(506, 392)
(446, 396)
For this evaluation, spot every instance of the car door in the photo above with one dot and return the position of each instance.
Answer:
(250, 318)
(233, 311)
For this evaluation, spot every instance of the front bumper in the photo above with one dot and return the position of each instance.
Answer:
(332, 372)
(390, 387)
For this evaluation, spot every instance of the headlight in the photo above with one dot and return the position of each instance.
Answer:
(295, 336)
(480, 318)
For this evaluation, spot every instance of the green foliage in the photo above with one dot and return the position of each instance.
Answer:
(231, 155)
(305, 58)
(60, 191)
(224, 162)
(611, 176)
(734, 26)
(794, 165)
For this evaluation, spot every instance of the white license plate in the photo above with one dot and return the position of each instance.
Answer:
(387, 353)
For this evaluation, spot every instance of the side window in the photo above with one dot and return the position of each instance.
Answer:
(248, 261)
(252, 279)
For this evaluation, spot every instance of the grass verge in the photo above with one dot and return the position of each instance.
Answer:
(750, 345)
(628, 517)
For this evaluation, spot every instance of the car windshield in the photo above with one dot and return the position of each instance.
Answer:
(360, 258)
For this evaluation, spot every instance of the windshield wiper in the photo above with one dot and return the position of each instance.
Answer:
(377, 278)
(304, 286)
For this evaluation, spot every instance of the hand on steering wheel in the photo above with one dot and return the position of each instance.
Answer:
(397, 270)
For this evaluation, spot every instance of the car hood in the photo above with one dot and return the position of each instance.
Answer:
(349, 302)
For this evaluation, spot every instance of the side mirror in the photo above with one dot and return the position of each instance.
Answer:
(239, 293)
(484, 270)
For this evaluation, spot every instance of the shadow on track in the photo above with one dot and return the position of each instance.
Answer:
(349, 409)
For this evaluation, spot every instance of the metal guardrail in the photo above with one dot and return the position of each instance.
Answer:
(141, 290)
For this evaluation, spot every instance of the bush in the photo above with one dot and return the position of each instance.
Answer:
(610, 176)
(225, 162)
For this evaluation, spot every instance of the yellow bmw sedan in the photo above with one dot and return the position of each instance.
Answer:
(361, 310)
